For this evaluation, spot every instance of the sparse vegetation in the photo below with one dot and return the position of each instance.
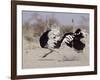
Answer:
(35, 26)
(67, 29)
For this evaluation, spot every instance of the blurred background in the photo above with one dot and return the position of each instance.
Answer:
(34, 23)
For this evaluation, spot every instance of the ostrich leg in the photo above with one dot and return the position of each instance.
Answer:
(48, 53)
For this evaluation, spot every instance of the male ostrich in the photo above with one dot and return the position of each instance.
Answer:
(51, 40)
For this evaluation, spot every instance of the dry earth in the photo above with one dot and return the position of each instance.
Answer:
(65, 56)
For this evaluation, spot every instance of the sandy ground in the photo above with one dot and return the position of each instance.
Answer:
(63, 57)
